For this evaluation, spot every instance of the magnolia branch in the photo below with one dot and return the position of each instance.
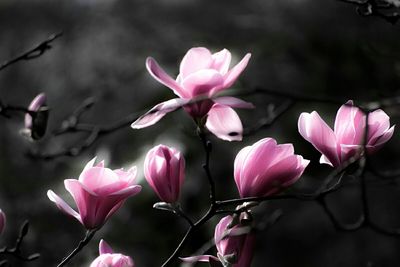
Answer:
(89, 235)
(15, 251)
(34, 52)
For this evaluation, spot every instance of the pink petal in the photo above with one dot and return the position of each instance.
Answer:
(104, 247)
(320, 135)
(349, 124)
(221, 61)
(196, 59)
(158, 112)
(101, 181)
(201, 258)
(284, 173)
(381, 140)
(90, 164)
(224, 123)
(247, 252)
(62, 205)
(234, 73)
(83, 199)
(202, 82)
(161, 76)
(233, 102)
(378, 124)
(35, 105)
(127, 176)
(239, 165)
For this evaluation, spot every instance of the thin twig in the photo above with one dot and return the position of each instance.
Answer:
(34, 52)
(89, 235)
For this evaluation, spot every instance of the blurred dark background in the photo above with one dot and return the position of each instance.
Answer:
(311, 48)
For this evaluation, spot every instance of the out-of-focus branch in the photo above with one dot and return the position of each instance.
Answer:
(93, 132)
(15, 251)
(377, 8)
(34, 52)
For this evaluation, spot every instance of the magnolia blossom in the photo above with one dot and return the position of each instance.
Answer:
(36, 122)
(164, 169)
(235, 245)
(2, 221)
(345, 141)
(266, 168)
(202, 76)
(108, 258)
(98, 193)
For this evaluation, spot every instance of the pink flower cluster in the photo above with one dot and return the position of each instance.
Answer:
(260, 170)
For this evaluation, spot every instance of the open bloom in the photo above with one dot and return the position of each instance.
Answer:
(108, 258)
(345, 141)
(235, 245)
(202, 75)
(98, 193)
(266, 168)
(36, 123)
(164, 169)
(2, 221)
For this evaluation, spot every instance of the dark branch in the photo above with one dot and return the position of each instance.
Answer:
(32, 53)
(89, 235)
(15, 251)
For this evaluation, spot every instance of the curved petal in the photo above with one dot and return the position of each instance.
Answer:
(381, 140)
(234, 73)
(238, 167)
(233, 102)
(201, 258)
(158, 112)
(161, 76)
(62, 205)
(378, 124)
(104, 247)
(202, 82)
(349, 124)
(224, 123)
(221, 61)
(196, 59)
(320, 135)
(128, 191)
(90, 164)
(35, 105)
(247, 251)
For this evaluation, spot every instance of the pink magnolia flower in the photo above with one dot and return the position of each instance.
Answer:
(202, 76)
(164, 169)
(2, 221)
(266, 168)
(339, 145)
(98, 193)
(235, 245)
(108, 258)
(36, 123)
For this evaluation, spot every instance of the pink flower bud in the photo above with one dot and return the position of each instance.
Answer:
(345, 141)
(164, 169)
(98, 193)
(235, 245)
(266, 168)
(2, 221)
(36, 122)
(109, 259)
